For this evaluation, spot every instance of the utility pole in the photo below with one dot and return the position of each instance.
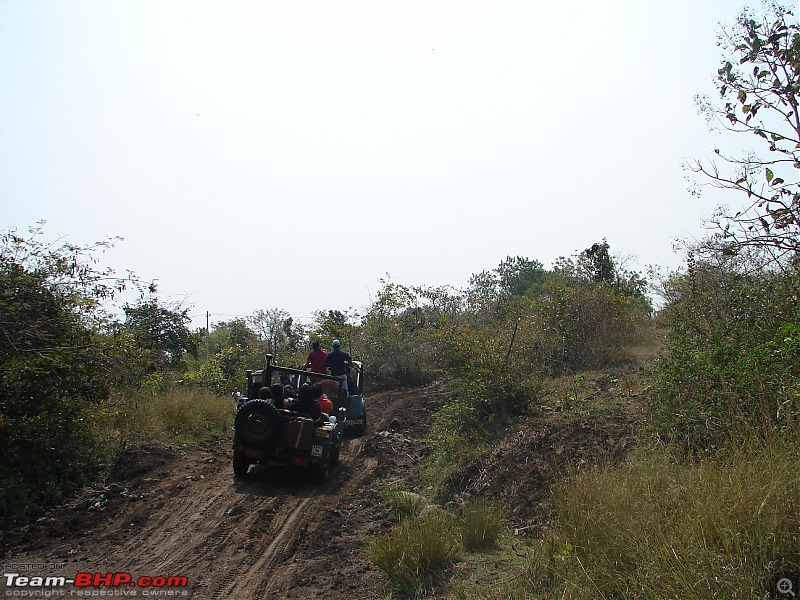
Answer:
(208, 316)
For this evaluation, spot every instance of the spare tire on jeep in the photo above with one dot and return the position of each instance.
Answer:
(257, 423)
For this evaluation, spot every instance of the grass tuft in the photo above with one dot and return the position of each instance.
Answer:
(415, 551)
(481, 525)
(403, 504)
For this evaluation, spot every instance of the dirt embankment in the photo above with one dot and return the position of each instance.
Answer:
(179, 512)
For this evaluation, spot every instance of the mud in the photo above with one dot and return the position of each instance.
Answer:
(179, 512)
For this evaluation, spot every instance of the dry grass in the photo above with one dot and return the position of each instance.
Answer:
(415, 551)
(662, 527)
(481, 525)
(176, 415)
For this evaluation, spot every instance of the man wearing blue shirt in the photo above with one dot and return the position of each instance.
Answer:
(339, 362)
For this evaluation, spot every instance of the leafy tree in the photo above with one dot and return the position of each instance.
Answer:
(732, 315)
(601, 265)
(330, 325)
(758, 87)
(390, 334)
(515, 276)
(518, 276)
(233, 347)
(277, 333)
(160, 334)
(235, 333)
(597, 266)
(55, 366)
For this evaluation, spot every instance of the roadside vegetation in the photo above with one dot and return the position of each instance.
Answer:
(707, 506)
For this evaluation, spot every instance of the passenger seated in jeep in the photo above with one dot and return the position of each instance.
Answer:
(306, 404)
(277, 395)
(324, 402)
(264, 393)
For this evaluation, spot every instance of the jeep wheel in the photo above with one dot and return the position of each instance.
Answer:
(336, 449)
(361, 429)
(319, 473)
(240, 464)
(257, 423)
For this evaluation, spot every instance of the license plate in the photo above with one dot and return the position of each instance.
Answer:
(316, 450)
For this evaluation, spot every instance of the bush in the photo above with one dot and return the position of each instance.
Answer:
(415, 551)
(52, 377)
(581, 327)
(731, 356)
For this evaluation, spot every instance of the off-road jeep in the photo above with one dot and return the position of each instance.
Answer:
(268, 435)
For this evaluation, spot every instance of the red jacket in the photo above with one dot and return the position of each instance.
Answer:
(325, 404)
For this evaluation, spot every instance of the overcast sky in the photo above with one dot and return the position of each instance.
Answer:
(289, 154)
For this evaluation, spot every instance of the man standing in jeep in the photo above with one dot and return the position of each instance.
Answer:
(339, 362)
(317, 359)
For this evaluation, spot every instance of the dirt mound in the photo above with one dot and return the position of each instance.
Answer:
(125, 486)
(521, 471)
(582, 421)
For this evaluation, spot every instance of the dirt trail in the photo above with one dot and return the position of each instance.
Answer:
(173, 512)
(179, 513)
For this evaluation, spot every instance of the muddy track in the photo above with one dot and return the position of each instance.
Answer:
(273, 535)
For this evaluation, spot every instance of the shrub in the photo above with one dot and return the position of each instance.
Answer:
(52, 375)
(415, 551)
(731, 356)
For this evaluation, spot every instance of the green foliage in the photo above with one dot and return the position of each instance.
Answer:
(234, 334)
(397, 336)
(159, 335)
(663, 527)
(391, 336)
(515, 276)
(233, 347)
(54, 370)
(415, 551)
(488, 392)
(731, 353)
(596, 265)
(601, 264)
(331, 325)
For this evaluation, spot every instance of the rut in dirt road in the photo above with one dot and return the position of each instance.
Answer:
(273, 535)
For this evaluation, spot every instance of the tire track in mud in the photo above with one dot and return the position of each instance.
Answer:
(272, 573)
(282, 549)
(231, 540)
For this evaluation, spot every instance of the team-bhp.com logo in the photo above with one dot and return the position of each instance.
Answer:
(93, 584)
